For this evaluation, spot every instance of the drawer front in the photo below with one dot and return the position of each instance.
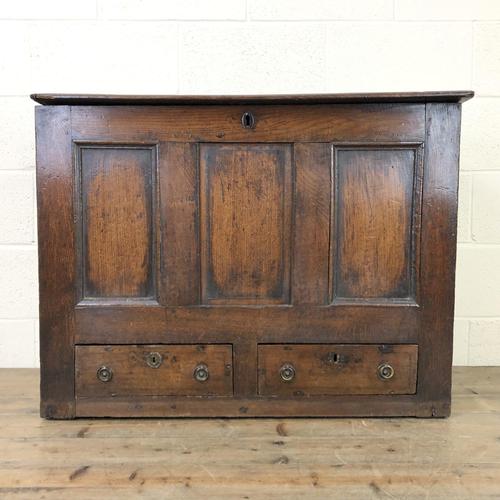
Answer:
(330, 369)
(151, 370)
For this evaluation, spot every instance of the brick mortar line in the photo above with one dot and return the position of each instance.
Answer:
(21, 245)
(252, 20)
(27, 318)
(479, 244)
(473, 318)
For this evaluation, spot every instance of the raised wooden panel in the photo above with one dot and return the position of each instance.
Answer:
(179, 200)
(327, 369)
(116, 190)
(312, 207)
(245, 223)
(141, 370)
(375, 209)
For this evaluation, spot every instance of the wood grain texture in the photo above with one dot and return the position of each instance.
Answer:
(374, 213)
(438, 254)
(352, 98)
(245, 365)
(337, 323)
(245, 193)
(179, 200)
(247, 249)
(273, 123)
(56, 260)
(326, 369)
(312, 223)
(132, 376)
(221, 458)
(276, 407)
(117, 220)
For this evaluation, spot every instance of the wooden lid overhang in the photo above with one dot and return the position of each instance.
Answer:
(456, 96)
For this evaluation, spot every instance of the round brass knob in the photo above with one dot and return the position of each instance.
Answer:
(104, 374)
(154, 359)
(385, 371)
(287, 373)
(201, 373)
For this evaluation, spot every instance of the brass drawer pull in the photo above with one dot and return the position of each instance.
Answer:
(201, 373)
(104, 374)
(154, 359)
(287, 373)
(385, 371)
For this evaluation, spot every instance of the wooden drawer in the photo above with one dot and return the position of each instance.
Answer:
(151, 370)
(328, 369)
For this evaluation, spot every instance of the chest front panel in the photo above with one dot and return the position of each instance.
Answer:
(196, 227)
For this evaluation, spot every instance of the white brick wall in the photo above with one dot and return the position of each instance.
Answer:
(253, 46)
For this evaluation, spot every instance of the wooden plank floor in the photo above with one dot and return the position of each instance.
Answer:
(455, 458)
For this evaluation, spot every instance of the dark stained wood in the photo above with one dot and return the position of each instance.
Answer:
(439, 233)
(397, 405)
(327, 369)
(312, 223)
(179, 200)
(374, 213)
(386, 97)
(132, 376)
(396, 323)
(273, 123)
(245, 193)
(320, 227)
(117, 221)
(56, 261)
(245, 364)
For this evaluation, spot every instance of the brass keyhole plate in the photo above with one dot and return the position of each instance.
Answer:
(154, 359)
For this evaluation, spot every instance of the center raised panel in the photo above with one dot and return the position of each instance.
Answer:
(245, 193)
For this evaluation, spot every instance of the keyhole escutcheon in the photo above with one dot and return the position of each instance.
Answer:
(154, 359)
(247, 120)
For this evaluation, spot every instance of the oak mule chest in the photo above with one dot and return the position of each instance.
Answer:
(247, 255)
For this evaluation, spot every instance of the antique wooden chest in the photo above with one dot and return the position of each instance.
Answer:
(247, 256)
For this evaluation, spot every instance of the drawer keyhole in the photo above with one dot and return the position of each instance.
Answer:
(247, 120)
(334, 358)
(154, 359)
